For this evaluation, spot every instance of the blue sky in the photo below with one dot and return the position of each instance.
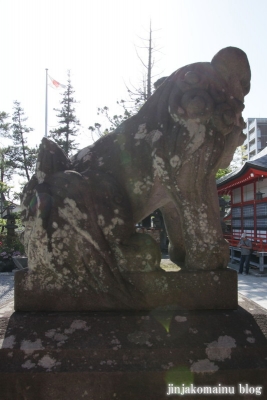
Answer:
(96, 41)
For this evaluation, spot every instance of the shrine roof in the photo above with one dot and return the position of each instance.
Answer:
(258, 162)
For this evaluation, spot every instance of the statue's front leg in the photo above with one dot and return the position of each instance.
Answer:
(172, 220)
(203, 239)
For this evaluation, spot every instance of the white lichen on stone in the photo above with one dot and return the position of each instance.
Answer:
(175, 161)
(28, 365)
(47, 362)
(221, 349)
(159, 167)
(197, 221)
(51, 333)
(137, 187)
(161, 285)
(141, 133)
(57, 336)
(115, 221)
(203, 367)
(29, 346)
(100, 220)
(140, 186)
(39, 174)
(153, 136)
(79, 324)
(100, 161)
(138, 337)
(196, 133)
(71, 204)
(175, 117)
(73, 215)
(180, 318)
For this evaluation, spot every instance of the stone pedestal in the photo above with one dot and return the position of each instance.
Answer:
(189, 290)
(133, 355)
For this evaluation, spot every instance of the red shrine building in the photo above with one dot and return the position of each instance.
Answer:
(247, 209)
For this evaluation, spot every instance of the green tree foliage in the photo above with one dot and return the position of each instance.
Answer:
(6, 170)
(221, 172)
(4, 124)
(14, 158)
(4, 133)
(68, 123)
(240, 157)
(21, 157)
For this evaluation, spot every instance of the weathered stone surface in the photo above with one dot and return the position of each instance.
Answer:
(132, 355)
(80, 214)
(189, 290)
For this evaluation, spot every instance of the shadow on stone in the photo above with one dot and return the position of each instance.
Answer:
(181, 289)
(133, 355)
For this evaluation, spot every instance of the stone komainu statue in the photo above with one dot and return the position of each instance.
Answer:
(80, 214)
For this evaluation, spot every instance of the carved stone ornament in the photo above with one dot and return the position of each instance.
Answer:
(80, 214)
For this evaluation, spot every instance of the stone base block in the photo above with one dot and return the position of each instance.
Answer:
(190, 290)
(134, 355)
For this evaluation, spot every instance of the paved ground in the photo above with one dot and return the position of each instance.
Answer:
(6, 287)
(253, 286)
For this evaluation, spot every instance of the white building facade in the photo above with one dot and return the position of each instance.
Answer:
(256, 132)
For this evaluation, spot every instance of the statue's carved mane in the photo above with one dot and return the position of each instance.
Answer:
(83, 223)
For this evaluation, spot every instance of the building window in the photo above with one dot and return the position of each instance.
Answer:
(236, 212)
(261, 213)
(236, 217)
(248, 192)
(248, 211)
(248, 217)
(237, 195)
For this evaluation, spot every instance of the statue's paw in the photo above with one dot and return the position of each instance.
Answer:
(141, 253)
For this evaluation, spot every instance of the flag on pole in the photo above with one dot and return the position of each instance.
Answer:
(55, 84)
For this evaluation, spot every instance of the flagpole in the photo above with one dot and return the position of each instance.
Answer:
(46, 100)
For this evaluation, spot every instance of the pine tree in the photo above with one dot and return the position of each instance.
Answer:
(21, 157)
(6, 166)
(69, 124)
(5, 169)
(4, 124)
